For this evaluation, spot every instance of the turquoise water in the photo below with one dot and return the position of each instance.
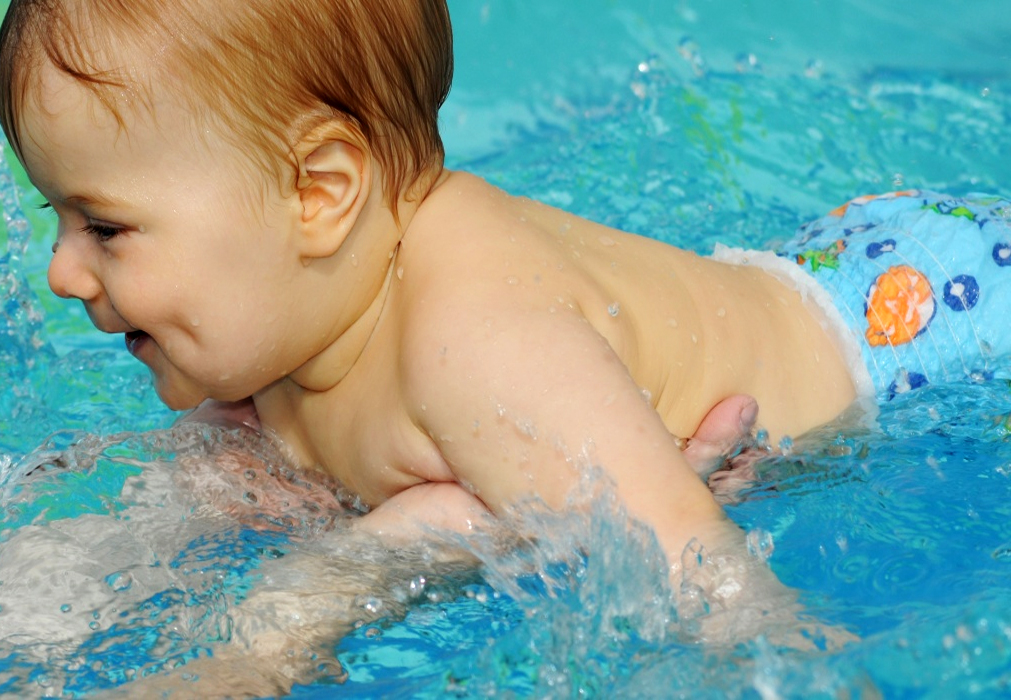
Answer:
(129, 549)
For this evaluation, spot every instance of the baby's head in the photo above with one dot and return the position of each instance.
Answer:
(212, 163)
(267, 73)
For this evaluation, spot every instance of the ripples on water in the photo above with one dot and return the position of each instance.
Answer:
(121, 555)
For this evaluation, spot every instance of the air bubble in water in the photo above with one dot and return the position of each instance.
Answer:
(370, 603)
(760, 544)
(119, 581)
(747, 63)
(690, 52)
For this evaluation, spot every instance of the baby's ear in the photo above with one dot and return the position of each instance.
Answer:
(333, 186)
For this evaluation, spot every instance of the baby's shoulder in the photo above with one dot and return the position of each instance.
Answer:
(469, 238)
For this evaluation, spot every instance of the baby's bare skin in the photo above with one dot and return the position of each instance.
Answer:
(517, 344)
(473, 340)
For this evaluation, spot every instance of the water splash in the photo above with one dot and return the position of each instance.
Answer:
(22, 345)
(126, 556)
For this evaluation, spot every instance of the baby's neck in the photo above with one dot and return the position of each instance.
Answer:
(327, 368)
(349, 290)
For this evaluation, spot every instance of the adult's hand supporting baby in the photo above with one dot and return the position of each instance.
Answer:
(724, 432)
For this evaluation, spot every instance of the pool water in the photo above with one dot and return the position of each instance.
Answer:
(127, 547)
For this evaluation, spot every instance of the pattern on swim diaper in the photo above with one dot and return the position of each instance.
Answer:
(961, 292)
(924, 280)
(824, 257)
(859, 201)
(900, 305)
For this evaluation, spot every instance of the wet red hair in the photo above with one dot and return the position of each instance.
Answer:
(270, 71)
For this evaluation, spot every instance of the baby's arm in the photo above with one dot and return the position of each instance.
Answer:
(721, 434)
(521, 400)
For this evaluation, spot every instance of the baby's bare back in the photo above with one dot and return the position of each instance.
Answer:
(690, 330)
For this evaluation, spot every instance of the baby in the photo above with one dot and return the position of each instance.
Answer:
(253, 194)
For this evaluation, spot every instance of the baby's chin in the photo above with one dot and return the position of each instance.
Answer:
(178, 398)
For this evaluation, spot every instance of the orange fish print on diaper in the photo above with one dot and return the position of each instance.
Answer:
(839, 211)
(900, 304)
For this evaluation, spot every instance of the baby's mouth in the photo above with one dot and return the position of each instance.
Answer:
(135, 340)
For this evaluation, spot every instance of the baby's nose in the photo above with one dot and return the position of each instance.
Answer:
(70, 272)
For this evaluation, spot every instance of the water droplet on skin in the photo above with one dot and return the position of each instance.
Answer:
(513, 281)
(614, 309)
(400, 272)
(647, 395)
(526, 427)
(195, 322)
(672, 322)
(607, 241)
(695, 339)
(721, 312)
(354, 260)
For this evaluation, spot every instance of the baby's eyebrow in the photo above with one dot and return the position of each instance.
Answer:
(93, 199)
